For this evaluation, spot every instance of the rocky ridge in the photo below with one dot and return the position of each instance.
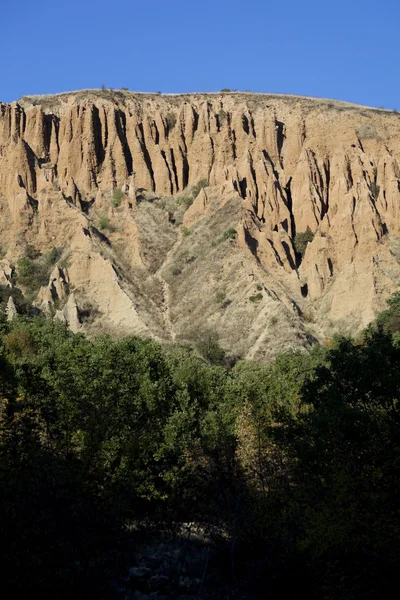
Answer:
(109, 178)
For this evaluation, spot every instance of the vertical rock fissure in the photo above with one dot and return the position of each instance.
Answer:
(120, 124)
(31, 159)
(98, 136)
(233, 136)
(156, 136)
(171, 187)
(185, 169)
(243, 187)
(277, 257)
(212, 159)
(47, 125)
(195, 122)
(145, 152)
(353, 208)
(254, 178)
(245, 124)
(348, 174)
(289, 205)
(253, 131)
(280, 137)
(173, 164)
(327, 169)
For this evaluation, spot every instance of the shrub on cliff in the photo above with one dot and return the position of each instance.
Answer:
(171, 121)
(301, 240)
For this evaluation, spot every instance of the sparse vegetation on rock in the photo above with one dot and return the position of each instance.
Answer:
(105, 224)
(229, 234)
(185, 231)
(256, 297)
(117, 197)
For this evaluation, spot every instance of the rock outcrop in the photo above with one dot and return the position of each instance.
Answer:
(108, 177)
(11, 309)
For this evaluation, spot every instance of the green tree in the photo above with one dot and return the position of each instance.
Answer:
(389, 319)
(345, 443)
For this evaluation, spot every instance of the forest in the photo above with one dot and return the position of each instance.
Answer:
(276, 480)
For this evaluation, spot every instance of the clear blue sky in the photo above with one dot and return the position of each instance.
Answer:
(343, 49)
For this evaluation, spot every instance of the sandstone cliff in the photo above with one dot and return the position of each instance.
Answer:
(109, 178)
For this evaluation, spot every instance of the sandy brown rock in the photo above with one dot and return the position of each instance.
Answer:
(5, 273)
(276, 165)
(11, 310)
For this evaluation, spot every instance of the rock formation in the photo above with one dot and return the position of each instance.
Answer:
(11, 310)
(108, 178)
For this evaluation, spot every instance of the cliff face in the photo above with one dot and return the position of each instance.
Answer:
(141, 263)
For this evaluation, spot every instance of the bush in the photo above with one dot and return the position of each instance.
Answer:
(31, 252)
(221, 116)
(185, 201)
(187, 198)
(375, 189)
(256, 298)
(117, 197)
(19, 342)
(104, 223)
(52, 256)
(220, 297)
(203, 183)
(389, 319)
(209, 348)
(229, 234)
(25, 267)
(33, 271)
(185, 231)
(302, 239)
(171, 121)
(21, 304)
(32, 274)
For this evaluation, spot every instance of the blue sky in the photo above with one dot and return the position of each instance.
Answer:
(346, 49)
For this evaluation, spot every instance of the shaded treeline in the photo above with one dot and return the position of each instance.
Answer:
(294, 465)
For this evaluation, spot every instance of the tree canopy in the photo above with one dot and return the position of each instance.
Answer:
(295, 463)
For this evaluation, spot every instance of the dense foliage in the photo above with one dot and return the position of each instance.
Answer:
(296, 464)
